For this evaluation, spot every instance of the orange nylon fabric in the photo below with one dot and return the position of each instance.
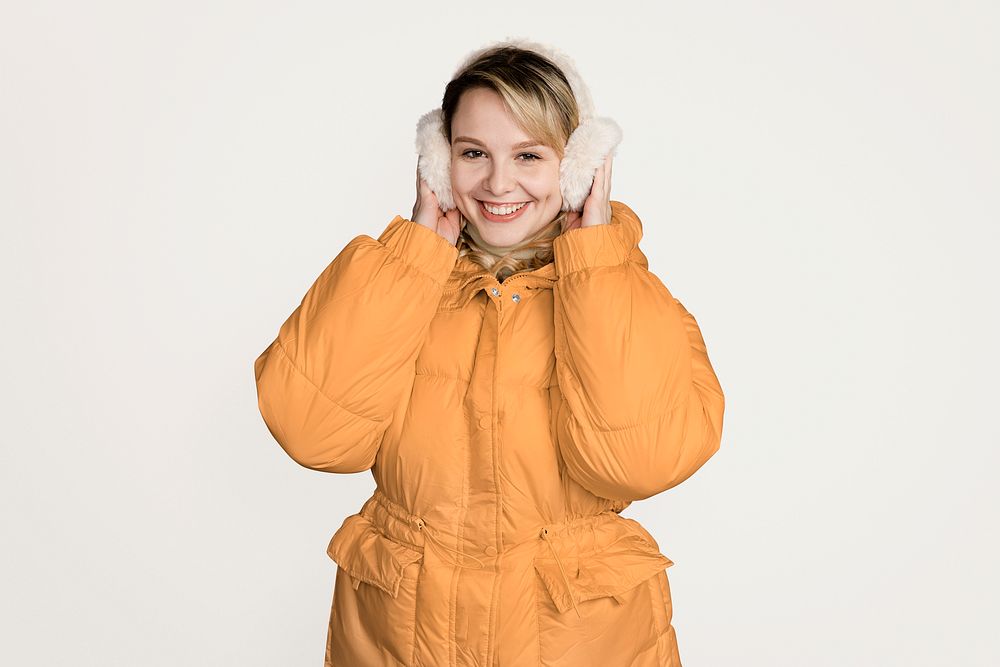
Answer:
(506, 425)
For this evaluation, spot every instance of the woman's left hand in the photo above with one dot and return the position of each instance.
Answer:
(597, 206)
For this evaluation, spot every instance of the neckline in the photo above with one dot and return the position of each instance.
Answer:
(466, 270)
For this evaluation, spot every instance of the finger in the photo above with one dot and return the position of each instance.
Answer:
(599, 179)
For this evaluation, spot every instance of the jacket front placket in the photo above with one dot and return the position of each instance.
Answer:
(478, 533)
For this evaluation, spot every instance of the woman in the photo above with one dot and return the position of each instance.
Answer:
(513, 379)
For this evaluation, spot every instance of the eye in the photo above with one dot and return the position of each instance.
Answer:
(532, 156)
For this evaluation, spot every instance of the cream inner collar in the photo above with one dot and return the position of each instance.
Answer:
(499, 251)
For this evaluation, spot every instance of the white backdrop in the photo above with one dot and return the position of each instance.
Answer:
(818, 186)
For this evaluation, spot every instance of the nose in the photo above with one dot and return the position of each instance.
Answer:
(499, 181)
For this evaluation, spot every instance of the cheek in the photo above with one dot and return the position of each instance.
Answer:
(462, 177)
(543, 184)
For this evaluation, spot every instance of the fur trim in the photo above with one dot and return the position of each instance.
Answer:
(590, 142)
(434, 162)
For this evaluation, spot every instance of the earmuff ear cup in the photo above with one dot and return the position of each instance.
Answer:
(434, 163)
(588, 146)
(592, 140)
(586, 149)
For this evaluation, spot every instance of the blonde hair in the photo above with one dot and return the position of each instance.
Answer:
(540, 99)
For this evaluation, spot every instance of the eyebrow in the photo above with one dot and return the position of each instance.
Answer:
(524, 144)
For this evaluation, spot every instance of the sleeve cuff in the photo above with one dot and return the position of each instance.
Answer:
(586, 247)
(602, 245)
(420, 247)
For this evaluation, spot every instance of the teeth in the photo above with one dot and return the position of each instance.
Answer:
(503, 210)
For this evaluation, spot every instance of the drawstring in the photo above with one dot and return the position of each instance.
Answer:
(428, 534)
(545, 536)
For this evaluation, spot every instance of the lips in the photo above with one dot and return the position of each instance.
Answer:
(501, 218)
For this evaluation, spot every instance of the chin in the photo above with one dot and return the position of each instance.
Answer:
(506, 233)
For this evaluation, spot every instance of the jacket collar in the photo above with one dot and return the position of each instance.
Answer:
(468, 278)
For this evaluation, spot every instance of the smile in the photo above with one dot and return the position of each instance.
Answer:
(503, 213)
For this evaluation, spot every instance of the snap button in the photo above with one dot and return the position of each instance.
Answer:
(495, 291)
(490, 550)
(515, 298)
(484, 422)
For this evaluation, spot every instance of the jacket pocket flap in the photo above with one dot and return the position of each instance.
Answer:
(362, 551)
(609, 572)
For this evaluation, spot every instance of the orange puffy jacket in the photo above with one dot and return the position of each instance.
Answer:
(506, 425)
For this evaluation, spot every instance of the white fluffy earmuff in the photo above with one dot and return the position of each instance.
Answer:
(588, 145)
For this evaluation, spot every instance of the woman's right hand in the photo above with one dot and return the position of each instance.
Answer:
(427, 212)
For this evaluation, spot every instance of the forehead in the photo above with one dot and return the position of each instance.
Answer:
(482, 115)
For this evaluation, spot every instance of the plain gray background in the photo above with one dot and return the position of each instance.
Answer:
(817, 184)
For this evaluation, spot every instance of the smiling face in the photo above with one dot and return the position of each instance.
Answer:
(494, 162)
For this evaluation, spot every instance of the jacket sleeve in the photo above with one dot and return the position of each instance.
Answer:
(328, 385)
(643, 407)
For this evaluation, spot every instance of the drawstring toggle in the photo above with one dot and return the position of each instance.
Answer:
(545, 536)
(425, 529)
